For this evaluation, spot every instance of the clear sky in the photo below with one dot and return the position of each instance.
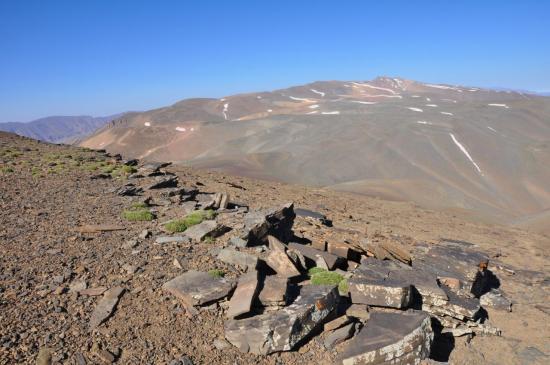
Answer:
(101, 57)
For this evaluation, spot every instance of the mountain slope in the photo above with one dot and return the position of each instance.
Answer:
(58, 129)
(441, 146)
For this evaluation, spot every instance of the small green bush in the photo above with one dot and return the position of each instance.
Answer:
(7, 170)
(216, 273)
(326, 278)
(138, 215)
(180, 225)
(343, 287)
(139, 205)
(315, 270)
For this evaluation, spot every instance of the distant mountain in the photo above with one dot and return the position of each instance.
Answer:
(59, 129)
(441, 146)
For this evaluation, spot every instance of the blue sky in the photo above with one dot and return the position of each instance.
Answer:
(101, 57)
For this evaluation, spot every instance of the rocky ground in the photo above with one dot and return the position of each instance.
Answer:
(83, 283)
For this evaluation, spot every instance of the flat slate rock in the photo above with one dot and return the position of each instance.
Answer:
(241, 259)
(209, 228)
(313, 254)
(244, 295)
(390, 338)
(172, 239)
(199, 288)
(274, 291)
(284, 329)
(274, 221)
(106, 306)
(282, 264)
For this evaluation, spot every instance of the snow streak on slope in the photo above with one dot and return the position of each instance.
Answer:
(225, 107)
(465, 151)
(318, 92)
(375, 87)
(415, 109)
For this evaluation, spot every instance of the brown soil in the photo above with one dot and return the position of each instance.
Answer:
(46, 193)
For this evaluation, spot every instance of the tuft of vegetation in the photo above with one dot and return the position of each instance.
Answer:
(138, 215)
(216, 273)
(321, 276)
(180, 225)
(343, 287)
(6, 170)
(315, 270)
(139, 205)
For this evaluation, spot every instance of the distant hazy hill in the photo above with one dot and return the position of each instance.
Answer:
(58, 129)
(442, 146)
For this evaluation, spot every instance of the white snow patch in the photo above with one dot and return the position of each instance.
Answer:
(375, 87)
(364, 102)
(444, 87)
(428, 99)
(492, 129)
(192, 129)
(465, 151)
(447, 113)
(225, 108)
(451, 100)
(415, 96)
(346, 85)
(500, 105)
(423, 122)
(147, 124)
(258, 97)
(415, 109)
(331, 113)
(222, 99)
(315, 106)
(314, 112)
(385, 96)
(432, 105)
(181, 129)
(399, 84)
(300, 99)
(269, 110)
(318, 92)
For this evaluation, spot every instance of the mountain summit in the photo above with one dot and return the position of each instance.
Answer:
(442, 146)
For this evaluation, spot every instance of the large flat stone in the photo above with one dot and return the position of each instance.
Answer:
(390, 338)
(281, 263)
(274, 221)
(198, 288)
(209, 228)
(244, 294)
(332, 261)
(241, 259)
(458, 307)
(284, 329)
(106, 306)
(274, 291)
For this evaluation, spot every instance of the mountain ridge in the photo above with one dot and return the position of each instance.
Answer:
(442, 146)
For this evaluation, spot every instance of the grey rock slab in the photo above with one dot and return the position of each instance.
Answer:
(241, 259)
(275, 221)
(77, 286)
(237, 242)
(383, 293)
(172, 239)
(198, 288)
(281, 263)
(273, 291)
(106, 306)
(339, 335)
(284, 329)
(458, 307)
(390, 338)
(161, 182)
(244, 295)
(209, 228)
(337, 323)
(332, 261)
(359, 311)
(495, 299)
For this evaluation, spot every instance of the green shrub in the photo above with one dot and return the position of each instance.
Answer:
(216, 273)
(7, 170)
(138, 215)
(315, 270)
(326, 278)
(180, 225)
(138, 205)
(343, 287)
